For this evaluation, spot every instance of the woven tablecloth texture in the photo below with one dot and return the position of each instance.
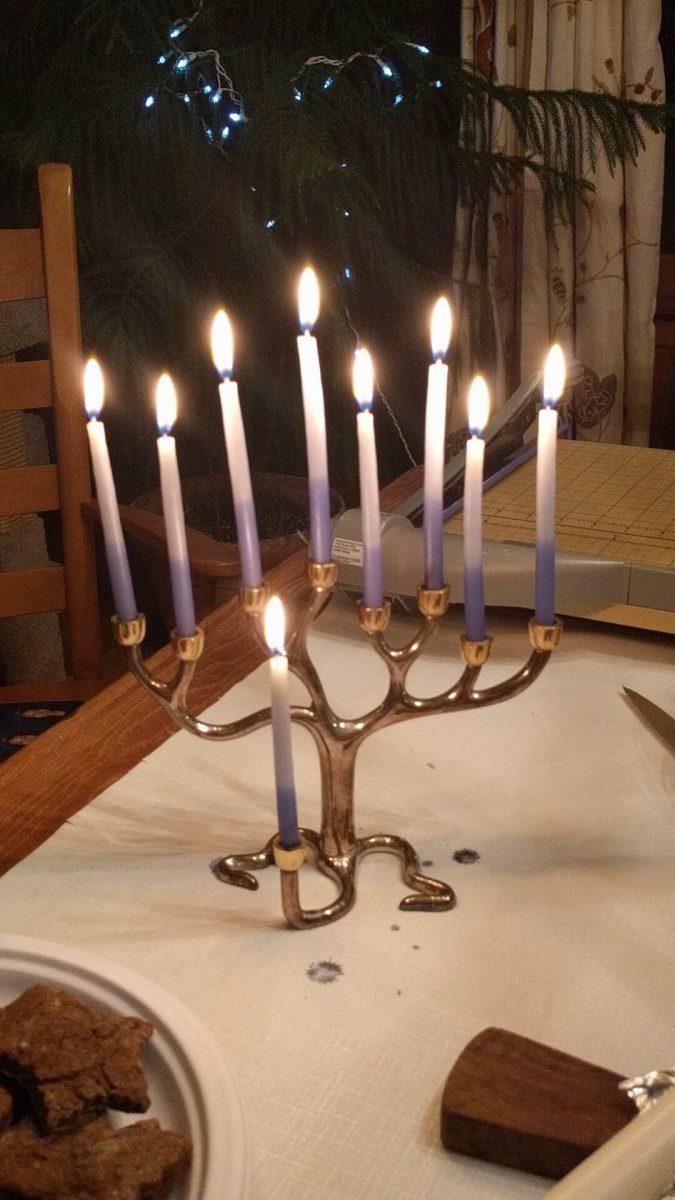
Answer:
(563, 930)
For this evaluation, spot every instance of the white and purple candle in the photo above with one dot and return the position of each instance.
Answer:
(547, 433)
(363, 383)
(434, 444)
(474, 597)
(275, 634)
(115, 549)
(172, 507)
(320, 542)
(222, 348)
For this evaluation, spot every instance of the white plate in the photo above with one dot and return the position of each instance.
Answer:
(190, 1081)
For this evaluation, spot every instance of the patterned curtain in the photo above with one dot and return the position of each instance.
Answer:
(594, 287)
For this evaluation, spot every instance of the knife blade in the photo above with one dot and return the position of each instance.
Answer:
(659, 721)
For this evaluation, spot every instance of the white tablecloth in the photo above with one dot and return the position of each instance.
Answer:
(563, 930)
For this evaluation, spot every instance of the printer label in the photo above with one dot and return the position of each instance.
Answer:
(347, 551)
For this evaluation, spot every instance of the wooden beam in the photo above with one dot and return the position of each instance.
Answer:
(81, 626)
(47, 782)
(25, 385)
(21, 271)
(37, 591)
(28, 490)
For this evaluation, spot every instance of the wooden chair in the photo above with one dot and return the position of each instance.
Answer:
(43, 263)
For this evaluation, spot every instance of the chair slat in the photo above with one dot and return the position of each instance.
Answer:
(37, 591)
(25, 385)
(22, 274)
(28, 490)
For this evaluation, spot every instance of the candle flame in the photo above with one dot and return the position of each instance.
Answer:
(441, 328)
(363, 379)
(479, 406)
(222, 344)
(94, 388)
(308, 299)
(554, 375)
(275, 625)
(165, 400)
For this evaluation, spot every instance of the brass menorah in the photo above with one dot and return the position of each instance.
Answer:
(335, 848)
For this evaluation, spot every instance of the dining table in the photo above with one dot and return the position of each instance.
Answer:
(551, 815)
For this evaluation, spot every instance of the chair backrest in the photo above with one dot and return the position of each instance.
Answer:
(43, 263)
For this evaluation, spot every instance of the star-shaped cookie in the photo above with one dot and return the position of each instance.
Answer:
(139, 1162)
(74, 1061)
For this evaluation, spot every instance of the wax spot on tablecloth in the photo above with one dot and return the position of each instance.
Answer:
(431, 766)
(427, 862)
(324, 971)
(415, 947)
(466, 856)
(395, 928)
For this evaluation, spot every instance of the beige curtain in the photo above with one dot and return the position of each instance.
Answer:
(595, 288)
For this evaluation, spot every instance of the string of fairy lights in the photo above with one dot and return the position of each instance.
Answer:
(198, 78)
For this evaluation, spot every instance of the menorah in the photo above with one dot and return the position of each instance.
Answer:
(335, 848)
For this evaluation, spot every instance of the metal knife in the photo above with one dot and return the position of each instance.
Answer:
(659, 721)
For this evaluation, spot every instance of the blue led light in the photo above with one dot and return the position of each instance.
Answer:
(175, 32)
(423, 49)
(207, 89)
(161, 60)
(216, 98)
(253, 189)
(343, 165)
(398, 98)
(347, 273)
(297, 94)
(328, 83)
(438, 83)
(270, 224)
(235, 116)
(346, 212)
(149, 101)
(225, 132)
(209, 134)
(386, 70)
(183, 64)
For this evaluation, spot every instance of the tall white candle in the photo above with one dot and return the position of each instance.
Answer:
(474, 599)
(434, 444)
(275, 632)
(320, 543)
(172, 506)
(363, 382)
(547, 433)
(638, 1163)
(115, 549)
(222, 346)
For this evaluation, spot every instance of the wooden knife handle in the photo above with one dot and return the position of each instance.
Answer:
(521, 1104)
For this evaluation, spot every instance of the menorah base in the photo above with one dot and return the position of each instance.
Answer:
(430, 895)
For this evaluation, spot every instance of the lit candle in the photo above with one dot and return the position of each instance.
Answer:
(115, 549)
(222, 347)
(434, 445)
(547, 432)
(320, 543)
(172, 506)
(363, 381)
(638, 1163)
(275, 630)
(474, 600)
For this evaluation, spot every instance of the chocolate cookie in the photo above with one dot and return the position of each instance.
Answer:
(74, 1061)
(140, 1162)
